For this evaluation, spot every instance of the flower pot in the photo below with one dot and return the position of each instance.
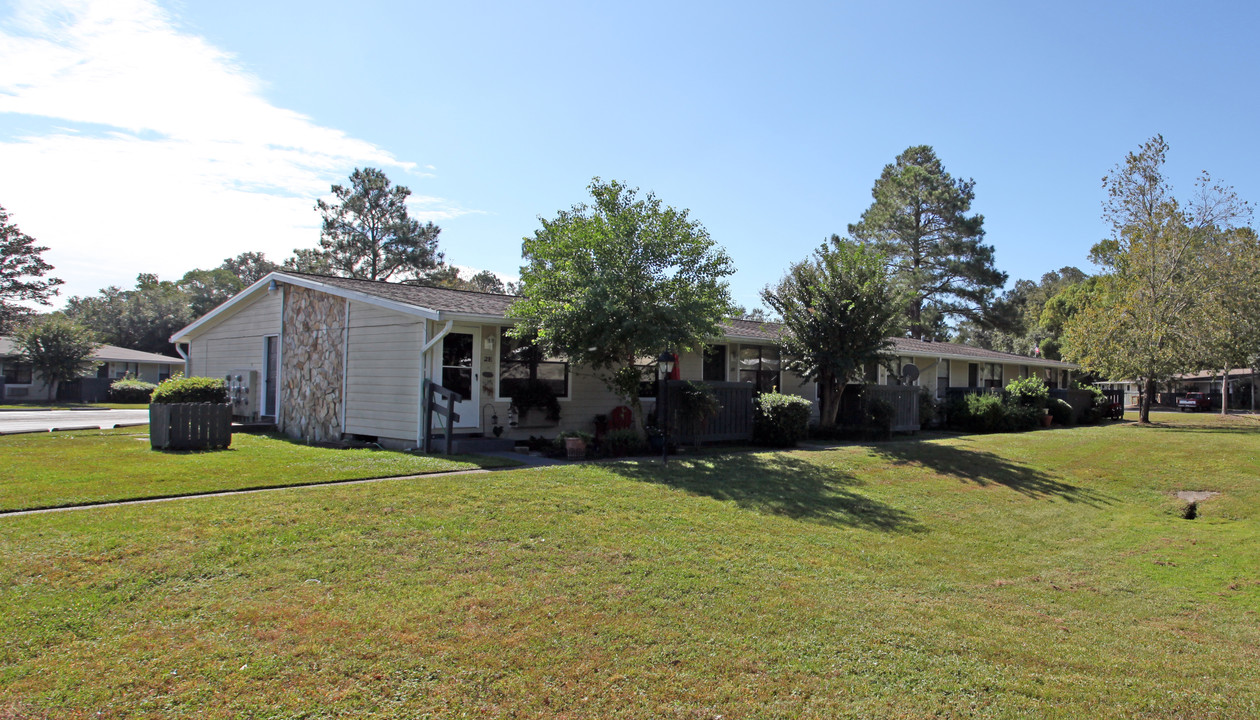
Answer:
(575, 448)
(1046, 420)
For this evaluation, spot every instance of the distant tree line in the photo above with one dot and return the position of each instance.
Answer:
(367, 233)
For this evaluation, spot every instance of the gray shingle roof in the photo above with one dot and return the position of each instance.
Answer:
(104, 353)
(478, 303)
(908, 346)
(752, 329)
(441, 299)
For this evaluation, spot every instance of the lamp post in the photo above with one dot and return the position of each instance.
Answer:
(664, 366)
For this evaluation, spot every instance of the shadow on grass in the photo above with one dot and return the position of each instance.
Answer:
(776, 484)
(985, 468)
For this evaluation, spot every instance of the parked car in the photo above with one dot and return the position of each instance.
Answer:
(1194, 401)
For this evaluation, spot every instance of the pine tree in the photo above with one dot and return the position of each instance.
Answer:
(935, 252)
(22, 271)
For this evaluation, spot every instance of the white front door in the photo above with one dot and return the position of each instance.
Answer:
(458, 368)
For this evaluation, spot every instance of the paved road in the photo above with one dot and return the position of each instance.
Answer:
(44, 420)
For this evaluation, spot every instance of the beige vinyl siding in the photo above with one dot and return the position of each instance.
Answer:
(236, 342)
(382, 373)
(958, 376)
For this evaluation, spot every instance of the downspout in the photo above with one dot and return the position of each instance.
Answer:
(345, 365)
(421, 409)
(280, 365)
(179, 349)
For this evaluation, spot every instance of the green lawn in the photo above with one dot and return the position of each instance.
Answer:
(43, 470)
(1041, 575)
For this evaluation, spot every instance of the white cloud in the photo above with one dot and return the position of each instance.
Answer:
(178, 160)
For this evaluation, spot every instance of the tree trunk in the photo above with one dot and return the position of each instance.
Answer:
(1144, 413)
(831, 395)
(916, 316)
(1225, 392)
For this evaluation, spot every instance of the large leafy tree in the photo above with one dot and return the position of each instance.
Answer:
(838, 311)
(619, 280)
(143, 318)
(207, 289)
(249, 267)
(1228, 317)
(58, 349)
(1142, 321)
(1013, 322)
(22, 274)
(368, 233)
(934, 249)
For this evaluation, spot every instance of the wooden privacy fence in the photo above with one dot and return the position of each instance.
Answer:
(904, 400)
(734, 421)
(84, 390)
(190, 426)
(1080, 400)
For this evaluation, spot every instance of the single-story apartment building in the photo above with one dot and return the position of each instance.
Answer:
(21, 382)
(329, 358)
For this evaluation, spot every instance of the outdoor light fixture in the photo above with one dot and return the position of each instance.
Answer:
(665, 363)
(272, 287)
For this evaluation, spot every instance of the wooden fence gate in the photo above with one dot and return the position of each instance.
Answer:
(734, 421)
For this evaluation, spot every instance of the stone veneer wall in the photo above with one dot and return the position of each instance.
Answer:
(314, 349)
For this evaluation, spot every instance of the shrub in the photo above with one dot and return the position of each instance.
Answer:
(879, 417)
(780, 420)
(1029, 392)
(130, 390)
(620, 443)
(1061, 411)
(190, 390)
(986, 413)
(990, 413)
(927, 408)
(1024, 417)
(697, 402)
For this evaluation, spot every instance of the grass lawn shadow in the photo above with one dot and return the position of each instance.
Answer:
(985, 468)
(776, 484)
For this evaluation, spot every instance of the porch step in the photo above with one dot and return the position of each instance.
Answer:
(461, 444)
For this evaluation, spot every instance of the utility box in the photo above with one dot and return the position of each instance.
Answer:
(243, 394)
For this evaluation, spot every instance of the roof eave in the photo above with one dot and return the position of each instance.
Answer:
(309, 284)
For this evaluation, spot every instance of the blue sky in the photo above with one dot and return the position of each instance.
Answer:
(137, 136)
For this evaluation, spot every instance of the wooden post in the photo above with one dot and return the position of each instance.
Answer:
(428, 415)
(450, 420)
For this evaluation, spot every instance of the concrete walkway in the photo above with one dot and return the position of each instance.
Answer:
(246, 491)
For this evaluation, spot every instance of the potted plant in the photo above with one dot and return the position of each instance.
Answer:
(574, 443)
(190, 413)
